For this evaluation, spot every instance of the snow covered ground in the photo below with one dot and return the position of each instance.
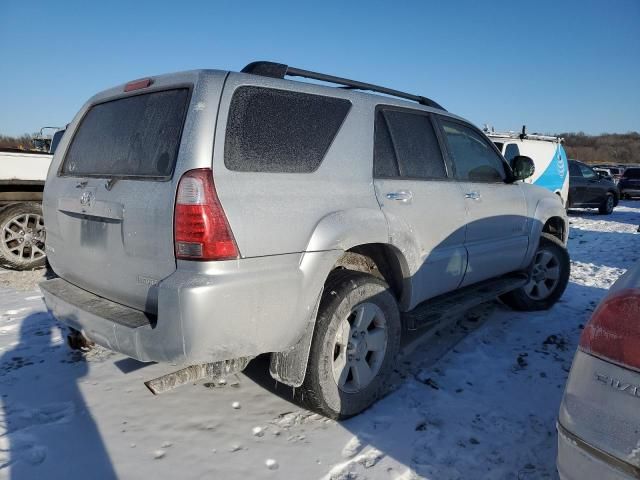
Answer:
(477, 401)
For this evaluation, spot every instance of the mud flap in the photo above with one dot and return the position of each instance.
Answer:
(290, 367)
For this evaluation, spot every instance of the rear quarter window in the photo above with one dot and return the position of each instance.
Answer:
(136, 136)
(280, 131)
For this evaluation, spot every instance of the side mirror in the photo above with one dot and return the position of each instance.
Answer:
(523, 167)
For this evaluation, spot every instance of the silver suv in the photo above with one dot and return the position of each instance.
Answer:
(207, 217)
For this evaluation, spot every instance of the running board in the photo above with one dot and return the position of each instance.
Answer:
(458, 302)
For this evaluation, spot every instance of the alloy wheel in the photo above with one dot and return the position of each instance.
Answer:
(23, 237)
(359, 347)
(545, 275)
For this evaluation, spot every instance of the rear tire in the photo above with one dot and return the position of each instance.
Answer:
(22, 237)
(354, 347)
(606, 208)
(550, 271)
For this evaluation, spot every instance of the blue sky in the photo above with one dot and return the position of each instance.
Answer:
(553, 65)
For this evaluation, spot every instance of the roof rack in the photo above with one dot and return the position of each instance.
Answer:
(280, 70)
(490, 132)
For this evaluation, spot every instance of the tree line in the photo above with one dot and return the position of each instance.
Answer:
(605, 148)
(23, 142)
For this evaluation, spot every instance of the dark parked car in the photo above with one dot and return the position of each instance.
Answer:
(630, 183)
(589, 190)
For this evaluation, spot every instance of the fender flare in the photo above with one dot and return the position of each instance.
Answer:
(546, 208)
(334, 234)
(345, 229)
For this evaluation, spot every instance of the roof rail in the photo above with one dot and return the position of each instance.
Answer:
(280, 70)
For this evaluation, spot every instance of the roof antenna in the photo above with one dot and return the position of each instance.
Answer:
(523, 135)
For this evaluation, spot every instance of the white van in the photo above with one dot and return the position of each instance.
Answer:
(552, 170)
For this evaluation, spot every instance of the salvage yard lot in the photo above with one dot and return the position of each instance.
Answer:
(478, 400)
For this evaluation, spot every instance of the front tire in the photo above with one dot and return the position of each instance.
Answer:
(608, 204)
(355, 344)
(549, 273)
(22, 237)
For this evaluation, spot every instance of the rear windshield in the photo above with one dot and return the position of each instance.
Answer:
(632, 173)
(131, 137)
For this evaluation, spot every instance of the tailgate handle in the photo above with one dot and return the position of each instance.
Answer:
(92, 208)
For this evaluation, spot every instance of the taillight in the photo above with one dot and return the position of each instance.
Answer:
(613, 333)
(201, 228)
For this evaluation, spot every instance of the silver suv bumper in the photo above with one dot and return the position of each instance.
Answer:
(229, 310)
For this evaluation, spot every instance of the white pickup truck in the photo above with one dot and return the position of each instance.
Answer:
(22, 176)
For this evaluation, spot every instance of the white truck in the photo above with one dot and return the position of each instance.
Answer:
(547, 153)
(22, 176)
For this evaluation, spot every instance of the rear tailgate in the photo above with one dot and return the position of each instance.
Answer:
(110, 193)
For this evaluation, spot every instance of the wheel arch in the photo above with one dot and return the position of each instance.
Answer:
(555, 226)
(550, 217)
(381, 260)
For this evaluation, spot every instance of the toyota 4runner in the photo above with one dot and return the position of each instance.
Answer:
(204, 218)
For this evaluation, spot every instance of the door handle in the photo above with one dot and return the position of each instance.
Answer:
(473, 195)
(402, 196)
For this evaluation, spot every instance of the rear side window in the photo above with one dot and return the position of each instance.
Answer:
(280, 131)
(406, 146)
(135, 136)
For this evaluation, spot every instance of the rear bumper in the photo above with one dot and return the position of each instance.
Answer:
(577, 460)
(206, 312)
